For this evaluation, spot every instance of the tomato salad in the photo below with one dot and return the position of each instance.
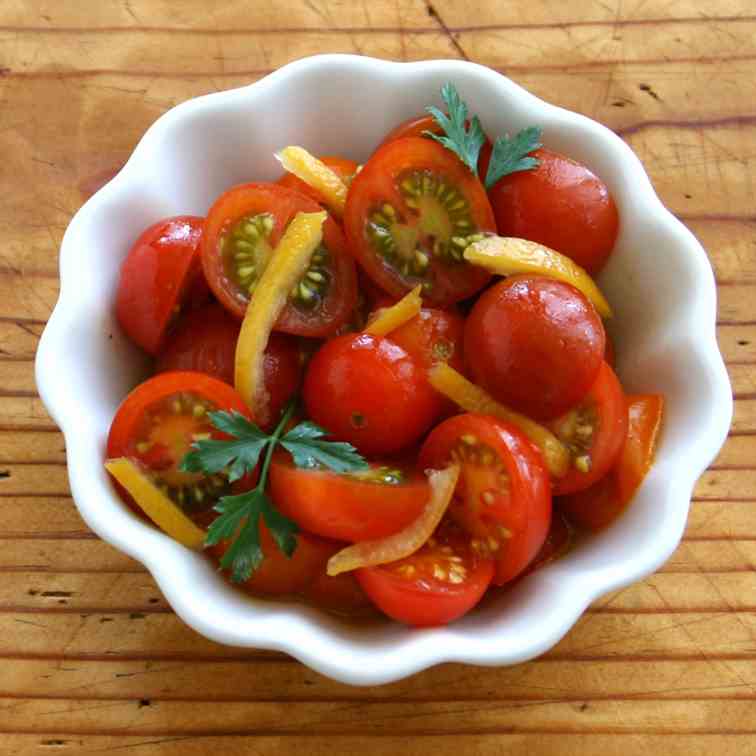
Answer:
(383, 385)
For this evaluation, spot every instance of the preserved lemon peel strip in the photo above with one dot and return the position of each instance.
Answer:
(450, 383)
(288, 264)
(391, 318)
(506, 256)
(316, 174)
(406, 542)
(155, 504)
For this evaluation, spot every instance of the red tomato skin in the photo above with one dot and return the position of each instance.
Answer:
(344, 167)
(561, 204)
(344, 508)
(368, 391)
(526, 513)
(428, 603)
(161, 270)
(283, 204)
(205, 341)
(376, 183)
(599, 506)
(279, 575)
(417, 126)
(339, 593)
(607, 395)
(536, 344)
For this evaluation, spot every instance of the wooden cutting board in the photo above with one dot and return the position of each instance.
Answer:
(91, 657)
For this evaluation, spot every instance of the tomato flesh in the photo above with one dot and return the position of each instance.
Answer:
(369, 391)
(205, 341)
(536, 344)
(410, 213)
(241, 232)
(161, 274)
(503, 497)
(593, 432)
(561, 204)
(354, 507)
(156, 425)
(437, 584)
(598, 506)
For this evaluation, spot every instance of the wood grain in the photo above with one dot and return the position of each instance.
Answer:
(92, 657)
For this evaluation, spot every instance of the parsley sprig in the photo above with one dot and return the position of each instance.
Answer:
(239, 516)
(510, 154)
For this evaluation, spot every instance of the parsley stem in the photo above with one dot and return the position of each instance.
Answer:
(274, 439)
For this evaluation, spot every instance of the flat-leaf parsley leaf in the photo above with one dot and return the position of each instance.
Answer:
(239, 515)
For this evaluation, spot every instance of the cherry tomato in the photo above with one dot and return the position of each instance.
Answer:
(409, 214)
(437, 584)
(205, 341)
(156, 425)
(503, 497)
(557, 543)
(560, 204)
(535, 343)
(241, 232)
(610, 353)
(419, 125)
(599, 505)
(355, 507)
(367, 390)
(434, 336)
(278, 574)
(593, 431)
(344, 167)
(161, 274)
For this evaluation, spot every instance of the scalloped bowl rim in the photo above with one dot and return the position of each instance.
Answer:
(387, 652)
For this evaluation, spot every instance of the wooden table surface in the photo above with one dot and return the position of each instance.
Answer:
(91, 657)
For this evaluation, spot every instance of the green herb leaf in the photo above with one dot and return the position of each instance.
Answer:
(463, 140)
(240, 517)
(308, 450)
(511, 155)
(240, 455)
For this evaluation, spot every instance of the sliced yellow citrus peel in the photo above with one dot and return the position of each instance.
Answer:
(316, 174)
(155, 504)
(406, 542)
(507, 256)
(391, 318)
(472, 398)
(288, 264)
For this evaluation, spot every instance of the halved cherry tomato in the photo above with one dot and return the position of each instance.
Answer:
(241, 232)
(367, 390)
(410, 213)
(344, 167)
(560, 204)
(435, 585)
(593, 432)
(599, 505)
(161, 274)
(419, 125)
(353, 507)
(156, 425)
(535, 344)
(278, 574)
(205, 341)
(503, 497)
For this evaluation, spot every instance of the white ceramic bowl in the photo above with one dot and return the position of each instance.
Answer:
(659, 282)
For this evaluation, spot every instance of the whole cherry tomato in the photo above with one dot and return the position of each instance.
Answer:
(369, 391)
(560, 204)
(535, 343)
